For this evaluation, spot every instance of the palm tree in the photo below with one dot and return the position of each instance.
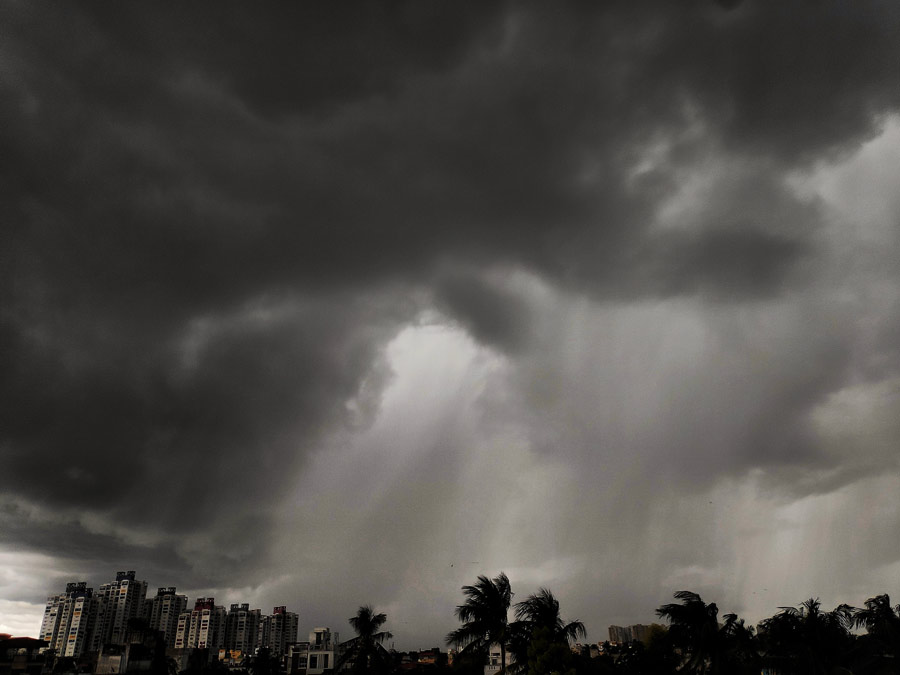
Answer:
(694, 628)
(366, 650)
(538, 619)
(485, 617)
(740, 653)
(807, 640)
(541, 610)
(708, 647)
(882, 623)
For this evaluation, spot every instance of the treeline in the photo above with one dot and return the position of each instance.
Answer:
(797, 640)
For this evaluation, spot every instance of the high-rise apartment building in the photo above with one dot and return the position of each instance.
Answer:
(69, 620)
(242, 628)
(632, 633)
(119, 601)
(640, 632)
(162, 612)
(183, 630)
(81, 625)
(52, 615)
(618, 635)
(203, 627)
(278, 630)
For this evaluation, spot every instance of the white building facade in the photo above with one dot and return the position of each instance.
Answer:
(69, 621)
(203, 627)
(242, 629)
(163, 610)
(324, 651)
(118, 601)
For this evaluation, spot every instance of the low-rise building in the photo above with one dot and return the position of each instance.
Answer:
(22, 655)
(297, 658)
(324, 651)
(495, 660)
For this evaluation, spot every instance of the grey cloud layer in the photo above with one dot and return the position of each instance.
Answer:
(217, 220)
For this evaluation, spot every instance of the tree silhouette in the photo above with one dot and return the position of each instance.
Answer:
(537, 615)
(485, 617)
(265, 663)
(880, 646)
(547, 655)
(541, 610)
(656, 657)
(807, 640)
(739, 647)
(365, 651)
(65, 664)
(694, 628)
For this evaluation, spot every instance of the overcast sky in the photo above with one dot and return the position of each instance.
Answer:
(349, 303)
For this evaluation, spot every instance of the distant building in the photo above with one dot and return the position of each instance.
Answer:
(637, 632)
(324, 651)
(234, 658)
(278, 631)
(53, 613)
(50, 622)
(430, 657)
(163, 610)
(82, 626)
(495, 660)
(118, 601)
(202, 628)
(69, 620)
(22, 656)
(190, 659)
(640, 632)
(137, 655)
(242, 629)
(617, 635)
(297, 658)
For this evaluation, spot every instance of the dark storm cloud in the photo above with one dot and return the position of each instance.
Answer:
(525, 156)
(217, 217)
(495, 316)
(734, 263)
(86, 550)
(163, 435)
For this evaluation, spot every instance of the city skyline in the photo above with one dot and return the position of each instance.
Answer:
(166, 610)
(80, 621)
(331, 305)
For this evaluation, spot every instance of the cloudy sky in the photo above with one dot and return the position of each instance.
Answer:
(349, 303)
